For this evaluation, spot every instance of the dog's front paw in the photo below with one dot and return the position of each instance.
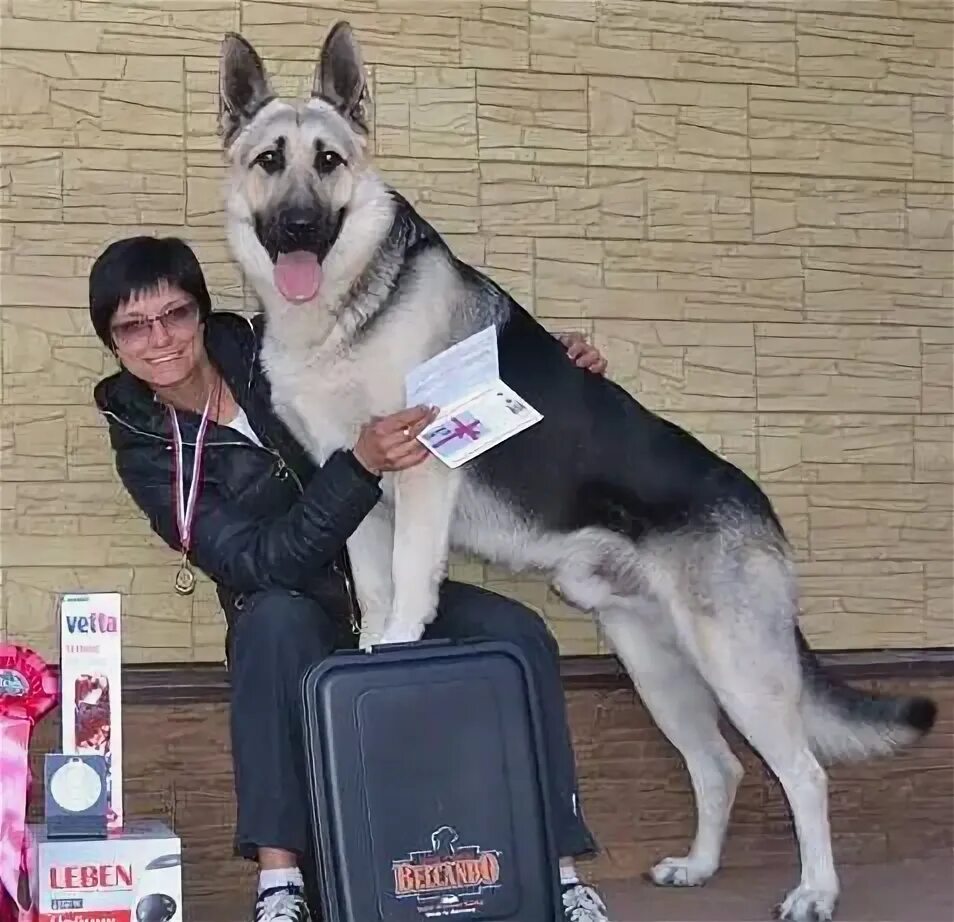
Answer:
(368, 639)
(805, 904)
(402, 633)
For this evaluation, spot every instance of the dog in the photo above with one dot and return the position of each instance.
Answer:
(677, 553)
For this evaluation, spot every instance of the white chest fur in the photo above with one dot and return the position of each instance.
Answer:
(323, 404)
(325, 394)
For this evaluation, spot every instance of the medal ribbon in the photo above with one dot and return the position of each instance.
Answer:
(185, 506)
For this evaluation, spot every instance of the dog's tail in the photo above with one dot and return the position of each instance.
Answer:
(846, 724)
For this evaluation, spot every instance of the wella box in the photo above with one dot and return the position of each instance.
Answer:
(91, 686)
(133, 875)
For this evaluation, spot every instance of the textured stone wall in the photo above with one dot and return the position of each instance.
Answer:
(749, 206)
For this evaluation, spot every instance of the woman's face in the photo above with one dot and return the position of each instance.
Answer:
(158, 337)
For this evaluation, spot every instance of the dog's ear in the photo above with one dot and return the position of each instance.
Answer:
(340, 76)
(243, 85)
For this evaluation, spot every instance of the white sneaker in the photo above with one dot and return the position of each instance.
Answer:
(282, 904)
(583, 904)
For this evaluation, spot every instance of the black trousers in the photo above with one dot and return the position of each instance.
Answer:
(280, 634)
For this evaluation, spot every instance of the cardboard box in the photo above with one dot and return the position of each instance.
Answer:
(133, 875)
(91, 685)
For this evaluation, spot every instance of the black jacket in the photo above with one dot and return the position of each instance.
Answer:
(265, 517)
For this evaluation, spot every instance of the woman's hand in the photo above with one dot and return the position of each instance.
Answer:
(389, 443)
(585, 355)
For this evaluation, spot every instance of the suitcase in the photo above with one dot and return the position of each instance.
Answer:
(426, 785)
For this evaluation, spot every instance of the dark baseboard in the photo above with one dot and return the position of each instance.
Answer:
(197, 683)
(606, 670)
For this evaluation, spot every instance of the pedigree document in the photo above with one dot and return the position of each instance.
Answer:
(477, 410)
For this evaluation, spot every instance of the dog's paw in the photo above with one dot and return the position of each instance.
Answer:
(401, 633)
(804, 904)
(367, 640)
(680, 872)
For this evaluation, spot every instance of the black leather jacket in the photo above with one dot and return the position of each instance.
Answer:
(265, 517)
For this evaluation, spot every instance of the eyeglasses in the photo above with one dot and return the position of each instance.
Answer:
(178, 322)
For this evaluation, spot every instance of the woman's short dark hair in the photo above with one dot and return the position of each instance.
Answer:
(135, 266)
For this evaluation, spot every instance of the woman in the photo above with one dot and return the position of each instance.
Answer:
(221, 480)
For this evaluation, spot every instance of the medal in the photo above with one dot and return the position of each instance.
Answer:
(185, 578)
(185, 505)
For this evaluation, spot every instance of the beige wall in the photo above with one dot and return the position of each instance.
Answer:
(748, 204)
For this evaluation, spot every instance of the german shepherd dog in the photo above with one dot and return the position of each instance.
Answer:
(676, 552)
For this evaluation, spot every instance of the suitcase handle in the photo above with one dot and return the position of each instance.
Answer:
(414, 645)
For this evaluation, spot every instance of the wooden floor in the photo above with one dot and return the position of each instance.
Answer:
(635, 794)
(903, 891)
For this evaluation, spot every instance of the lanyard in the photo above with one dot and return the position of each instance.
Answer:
(185, 505)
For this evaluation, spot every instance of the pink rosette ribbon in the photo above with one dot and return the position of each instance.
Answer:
(28, 692)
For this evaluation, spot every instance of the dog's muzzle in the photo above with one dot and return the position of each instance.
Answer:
(297, 241)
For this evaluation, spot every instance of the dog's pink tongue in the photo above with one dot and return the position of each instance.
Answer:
(298, 275)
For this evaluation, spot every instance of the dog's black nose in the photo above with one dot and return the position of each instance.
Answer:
(298, 230)
(299, 221)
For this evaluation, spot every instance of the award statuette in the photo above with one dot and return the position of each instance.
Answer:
(28, 692)
(75, 796)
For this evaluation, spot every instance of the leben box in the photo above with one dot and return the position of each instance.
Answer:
(133, 875)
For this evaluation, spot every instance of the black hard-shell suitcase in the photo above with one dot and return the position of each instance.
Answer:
(427, 789)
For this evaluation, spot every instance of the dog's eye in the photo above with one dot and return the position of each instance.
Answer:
(271, 161)
(327, 162)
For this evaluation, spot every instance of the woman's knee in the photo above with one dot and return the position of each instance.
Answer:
(280, 617)
(476, 611)
(531, 629)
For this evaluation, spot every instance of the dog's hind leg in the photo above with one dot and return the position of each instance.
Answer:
(684, 709)
(762, 700)
(604, 573)
(743, 603)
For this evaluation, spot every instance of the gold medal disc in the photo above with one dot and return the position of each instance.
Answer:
(185, 579)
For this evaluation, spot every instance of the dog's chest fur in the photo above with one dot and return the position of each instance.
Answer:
(319, 404)
(326, 393)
